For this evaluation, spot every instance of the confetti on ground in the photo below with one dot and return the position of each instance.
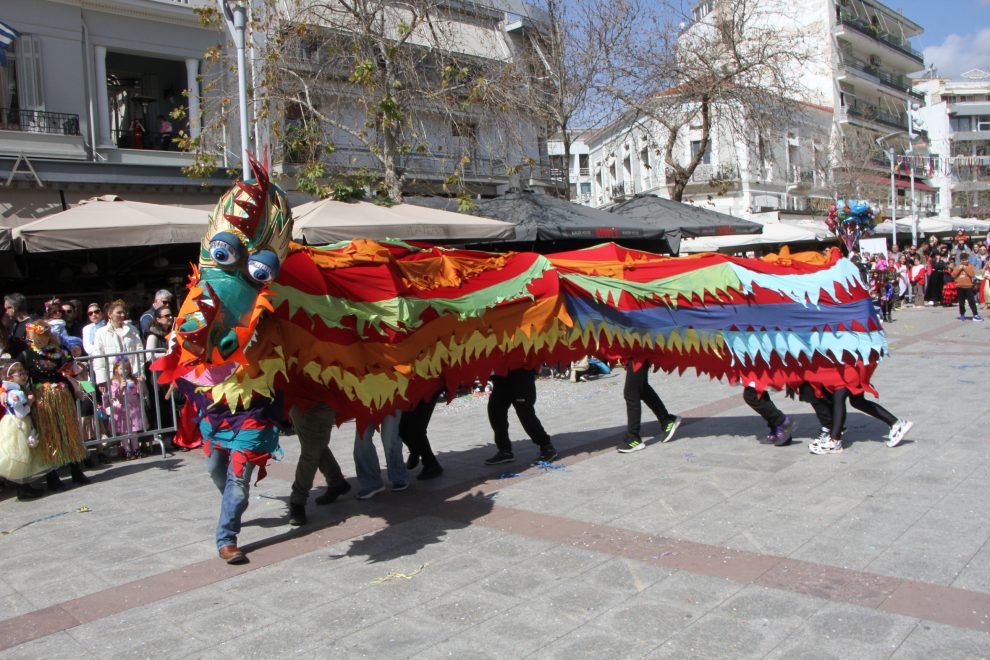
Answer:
(395, 575)
(82, 509)
(690, 457)
(547, 466)
(511, 475)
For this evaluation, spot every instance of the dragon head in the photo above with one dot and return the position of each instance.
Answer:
(242, 252)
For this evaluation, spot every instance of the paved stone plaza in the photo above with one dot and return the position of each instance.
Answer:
(711, 546)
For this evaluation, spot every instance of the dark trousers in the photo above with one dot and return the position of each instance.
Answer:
(518, 390)
(636, 390)
(761, 403)
(313, 430)
(822, 405)
(412, 430)
(967, 293)
(859, 402)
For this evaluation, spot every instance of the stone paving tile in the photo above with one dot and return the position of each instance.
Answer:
(975, 576)
(57, 646)
(927, 555)
(837, 628)
(514, 590)
(716, 635)
(933, 640)
(14, 604)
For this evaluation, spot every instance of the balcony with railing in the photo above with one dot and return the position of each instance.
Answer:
(800, 176)
(40, 133)
(708, 172)
(900, 44)
(37, 121)
(621, 190)
(877, 75)
(854, 108)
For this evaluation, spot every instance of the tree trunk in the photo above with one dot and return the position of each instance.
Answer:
(391, 176)
(567, 164)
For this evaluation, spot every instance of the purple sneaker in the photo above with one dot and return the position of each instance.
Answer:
(784, 432)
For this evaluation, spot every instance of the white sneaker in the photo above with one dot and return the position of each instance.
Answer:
(898, 431)
(823, 436)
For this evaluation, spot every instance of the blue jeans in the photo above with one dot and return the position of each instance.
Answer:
(234, 492)
(369, 471)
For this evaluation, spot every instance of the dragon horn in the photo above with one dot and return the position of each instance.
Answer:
(253, 203)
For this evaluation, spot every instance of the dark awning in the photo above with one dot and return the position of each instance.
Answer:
(550, 222)
(692, 221)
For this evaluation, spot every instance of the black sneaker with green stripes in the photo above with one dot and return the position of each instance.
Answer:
(630, 444)
(670, 427)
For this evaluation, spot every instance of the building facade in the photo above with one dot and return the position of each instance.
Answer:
(854, 108)
(89, 90)
(957, 117)
(95, 93)
(578, 169)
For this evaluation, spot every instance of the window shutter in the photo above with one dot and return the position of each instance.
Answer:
(30, 82)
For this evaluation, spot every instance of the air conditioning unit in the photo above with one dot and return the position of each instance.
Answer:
(875, 60)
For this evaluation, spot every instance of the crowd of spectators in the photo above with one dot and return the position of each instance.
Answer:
(103, 358)
(938, 273)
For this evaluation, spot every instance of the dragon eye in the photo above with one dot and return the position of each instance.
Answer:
(225, 248)
(263, 266)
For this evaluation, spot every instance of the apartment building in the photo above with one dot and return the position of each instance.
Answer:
(447, 131)
(578, 168)
(856, 90)
(90, 86)
(82, 91)
(957, 116)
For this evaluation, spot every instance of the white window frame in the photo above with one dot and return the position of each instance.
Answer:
(30, 75)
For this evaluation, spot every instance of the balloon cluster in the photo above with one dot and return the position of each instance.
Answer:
(851, 220)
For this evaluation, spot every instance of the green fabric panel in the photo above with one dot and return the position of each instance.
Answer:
(401, 313)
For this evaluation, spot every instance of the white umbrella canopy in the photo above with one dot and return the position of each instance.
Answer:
(773, 234)
(108, 222)
(329, 221)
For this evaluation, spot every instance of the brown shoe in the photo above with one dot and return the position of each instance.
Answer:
(232, 554)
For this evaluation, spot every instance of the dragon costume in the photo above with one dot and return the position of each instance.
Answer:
(371, 327)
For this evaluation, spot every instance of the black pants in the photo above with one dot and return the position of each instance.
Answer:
(761, 403)
(518, 390)
(313, 430)
(412, 430)
(822, 405)
(859, 402)
(967, 293)
(636, 390)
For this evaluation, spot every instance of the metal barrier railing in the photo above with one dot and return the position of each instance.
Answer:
(112, 416)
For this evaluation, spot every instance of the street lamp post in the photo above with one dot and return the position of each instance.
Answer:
(881, 141)
(893, 195)
(236, 18)
(914, 210)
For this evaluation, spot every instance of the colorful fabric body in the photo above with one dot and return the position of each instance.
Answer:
(369, 328)
(372, 327)
(249, 435)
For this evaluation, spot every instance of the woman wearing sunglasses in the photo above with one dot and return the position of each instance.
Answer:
(96, 320)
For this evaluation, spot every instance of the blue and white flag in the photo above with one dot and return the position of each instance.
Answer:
(7, 36)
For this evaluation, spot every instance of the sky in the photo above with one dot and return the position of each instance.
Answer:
(957, 33)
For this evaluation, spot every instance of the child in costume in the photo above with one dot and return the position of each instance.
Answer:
(20, 462)
(125, 402)
(54, 412)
